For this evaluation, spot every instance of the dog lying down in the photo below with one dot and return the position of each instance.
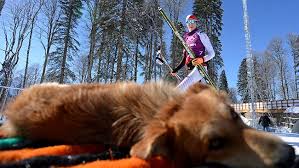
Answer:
(189, 128)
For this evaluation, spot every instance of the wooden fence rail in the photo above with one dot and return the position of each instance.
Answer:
(270, 106)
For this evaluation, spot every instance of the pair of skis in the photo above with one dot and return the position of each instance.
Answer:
(200, 68)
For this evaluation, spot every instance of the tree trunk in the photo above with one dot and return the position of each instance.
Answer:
(146, 62)
(150, 69)
(99, 54)
(136, 61)
(282, 81)
(27, 56)
(112, 66)
(92, 41)
(287, 89)
(47, 52)
(120, 41)
(34, 16)
(107, 65)
(52, 26)
(66, 43)
(154, 56)
(4, 90)
(82, 77)
(91, 54)
(126, 67)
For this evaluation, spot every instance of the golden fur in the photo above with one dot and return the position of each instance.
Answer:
(191, 128)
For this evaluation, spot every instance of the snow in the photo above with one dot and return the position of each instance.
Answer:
(291, 139)
(283, 132)
(292, 109)
(245, 120)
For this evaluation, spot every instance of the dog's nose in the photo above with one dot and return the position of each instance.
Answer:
(296, 163)
(287, 157)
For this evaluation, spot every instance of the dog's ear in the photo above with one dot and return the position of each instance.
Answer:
(157, 141)
(197, 88)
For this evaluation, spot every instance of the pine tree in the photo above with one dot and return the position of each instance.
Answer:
(127, 37)
(66, 41)
(223, 82)
(106, 41)
(210, 14)
(120, 39)
(2, 2)
(93, 11)
(233, 95)
(261, 86)
(242, 82)
(152, 29)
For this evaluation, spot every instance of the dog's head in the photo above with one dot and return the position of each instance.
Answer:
(202, 128)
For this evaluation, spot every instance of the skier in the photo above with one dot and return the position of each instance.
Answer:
(200, 44)
(265, 122)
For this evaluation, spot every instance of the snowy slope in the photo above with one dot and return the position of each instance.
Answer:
(291, 139)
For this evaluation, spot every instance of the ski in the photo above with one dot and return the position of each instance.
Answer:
(190, 52)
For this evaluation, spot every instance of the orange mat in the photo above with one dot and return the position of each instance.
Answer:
(17, 155)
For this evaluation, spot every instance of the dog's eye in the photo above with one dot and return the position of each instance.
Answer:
(216, 144)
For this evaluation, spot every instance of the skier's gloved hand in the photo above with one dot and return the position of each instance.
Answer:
(173, 73)
(197, 61)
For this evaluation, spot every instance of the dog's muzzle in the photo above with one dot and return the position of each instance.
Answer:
(287, 158)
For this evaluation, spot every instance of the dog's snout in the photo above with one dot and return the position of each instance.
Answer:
(287, 157)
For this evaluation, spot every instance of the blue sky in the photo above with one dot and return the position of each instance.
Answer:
(267, 19)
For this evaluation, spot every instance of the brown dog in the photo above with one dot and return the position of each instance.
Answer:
(191, 128)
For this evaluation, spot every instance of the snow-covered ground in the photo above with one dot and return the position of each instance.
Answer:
(291, 139)
(284, 133)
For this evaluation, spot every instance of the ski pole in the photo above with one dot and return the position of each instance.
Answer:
(190, 52)
(163, 60)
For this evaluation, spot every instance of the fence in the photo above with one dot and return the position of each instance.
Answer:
(277, 106)
(6, 93)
